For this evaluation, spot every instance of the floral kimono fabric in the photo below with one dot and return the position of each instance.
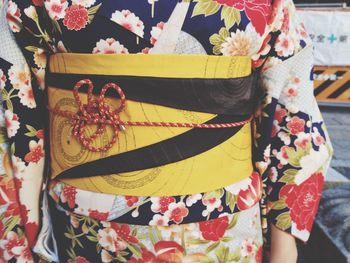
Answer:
(50, 211)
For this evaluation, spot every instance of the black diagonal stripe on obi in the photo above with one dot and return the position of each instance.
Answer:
(233, 96)
(171, 150)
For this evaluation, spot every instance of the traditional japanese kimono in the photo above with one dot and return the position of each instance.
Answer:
(155, 130)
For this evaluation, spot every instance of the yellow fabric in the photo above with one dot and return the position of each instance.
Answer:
(223, 165)
(171, 66)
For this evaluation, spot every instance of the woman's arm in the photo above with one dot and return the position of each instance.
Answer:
(283, 247)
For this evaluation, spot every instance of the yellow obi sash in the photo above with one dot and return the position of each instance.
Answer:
(228, 162)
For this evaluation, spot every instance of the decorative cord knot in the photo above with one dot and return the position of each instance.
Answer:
(97, 111)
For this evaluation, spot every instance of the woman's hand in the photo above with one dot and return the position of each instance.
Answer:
(283, 247)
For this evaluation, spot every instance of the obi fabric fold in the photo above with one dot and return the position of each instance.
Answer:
(150, 125)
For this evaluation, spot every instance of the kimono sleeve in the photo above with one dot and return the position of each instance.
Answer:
(298, 149)
(21, 72)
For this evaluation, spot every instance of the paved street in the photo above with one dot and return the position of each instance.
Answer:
(338, 124)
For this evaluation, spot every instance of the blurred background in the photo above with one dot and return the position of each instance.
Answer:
(328, 24)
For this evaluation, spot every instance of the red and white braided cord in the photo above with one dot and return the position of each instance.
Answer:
(96, 111)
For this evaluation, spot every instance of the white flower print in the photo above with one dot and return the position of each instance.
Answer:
(291, 92)
(31, 12)
(18, 165)
(36, 151)
(311, 163)
(74, 221)
(192, 199)
(317, 138)
(129, 20)
(247, 247)
(161, 204)
(273, 174)
(109, 46)
(211, 202)
(12, 123)
(303, 140)
(31, 180)
(13, 14)
(14, 246)
(177, 212)
(27, 97)
(284, 45)
(40, 58)
(282, 155)
(159, 220)
(285, 138)
(19, 76)
(267, 154)
(85, 3)
(56, 8)
(2, 80)
(40, 77)
(271, 62)
(292, 108)
(108, 239)
(242, 43)
(105, 256)
(241, 185)
(156, 31)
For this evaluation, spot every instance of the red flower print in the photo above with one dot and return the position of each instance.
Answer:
(13, 14)
(257, 11)
(40, 134)
(7, 191)
(12, 123)
(280, 114)
(214, 229)
(38, 2)
(131, 200)
(146, 50)
(296, 125)
(76, 17)
(285, 23)
(2, 229)
(146, 256)
(275, 129)
(161, 204)
(303, 140)
(16, 246)
(259, 255)
(36, 151)
(177, 212)
(12, 210)
(32, 231)
(291, 92)
(123, 232)
(98, 215)
(81, 260)
(303, 199)
(69, 193)
(275, 11)
(249, 197)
